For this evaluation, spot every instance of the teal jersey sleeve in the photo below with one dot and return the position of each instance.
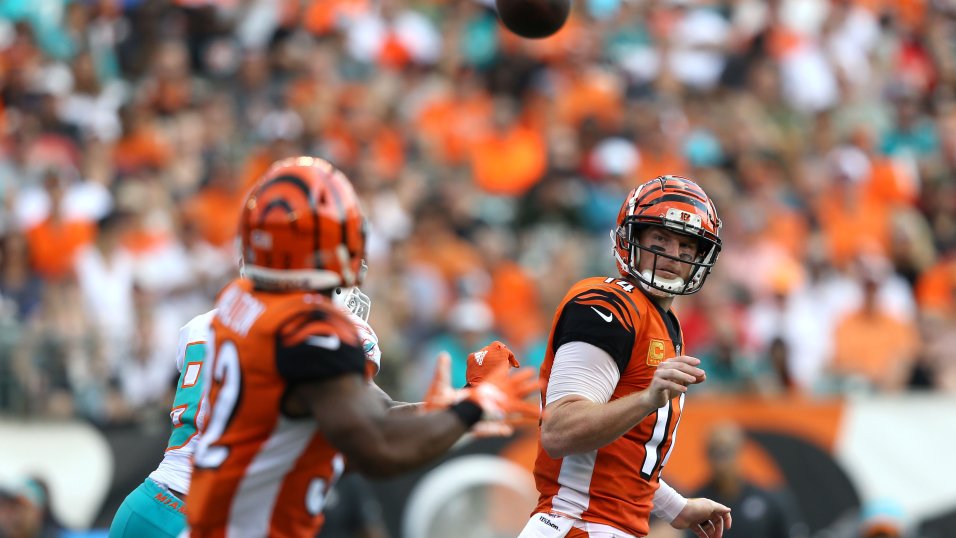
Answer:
(187, 415)
(187, 403)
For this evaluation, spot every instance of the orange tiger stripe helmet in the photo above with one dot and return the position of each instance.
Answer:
(302, 228)
(675, 203)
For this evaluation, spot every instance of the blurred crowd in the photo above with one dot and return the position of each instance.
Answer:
(26, 512)
(491, 169)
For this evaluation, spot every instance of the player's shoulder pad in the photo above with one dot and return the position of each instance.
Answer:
(618, 296)
(599, 313)
(317, 341)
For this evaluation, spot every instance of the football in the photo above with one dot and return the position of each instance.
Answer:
(533, 19)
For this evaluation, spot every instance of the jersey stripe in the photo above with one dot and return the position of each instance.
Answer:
(575, 479)
(684, 199)
(627, 297)
(647, 193)
(255, 498)
(609, 300)
(309, 328)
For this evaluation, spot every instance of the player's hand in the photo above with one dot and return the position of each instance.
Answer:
(704, 517)
(502, 396)
(440, 393)
(672, 378)
(482, 362)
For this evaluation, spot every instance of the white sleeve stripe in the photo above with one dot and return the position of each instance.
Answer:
(582, 369)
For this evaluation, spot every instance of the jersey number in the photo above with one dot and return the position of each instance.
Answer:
(624, 284)
(653, 446)
(226, 375)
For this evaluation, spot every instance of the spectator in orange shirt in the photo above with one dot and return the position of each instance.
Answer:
(850, 219)
(449, 124)
(213, 209)
(512, 295)
(873, 345)
(659, 154)
(511, 158)
(936, 287)
(281, 132)
(141, 144)
(53, 243)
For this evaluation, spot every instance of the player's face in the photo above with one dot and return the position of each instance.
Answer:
(668, 242)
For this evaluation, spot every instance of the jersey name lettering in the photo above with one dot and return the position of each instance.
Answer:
(238, 310)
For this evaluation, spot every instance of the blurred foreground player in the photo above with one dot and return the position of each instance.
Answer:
(157, 507)
(288, 390)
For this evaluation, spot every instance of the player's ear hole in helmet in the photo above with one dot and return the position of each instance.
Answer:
(677, 204)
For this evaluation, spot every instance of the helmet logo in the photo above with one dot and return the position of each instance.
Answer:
(261, 239)
(685, 217)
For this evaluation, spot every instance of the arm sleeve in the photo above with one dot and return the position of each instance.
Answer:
(600, 318)
(582, 369)
(318, 345)
(668, 503)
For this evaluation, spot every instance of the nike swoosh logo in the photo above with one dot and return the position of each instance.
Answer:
(606, 318)
(331, 342)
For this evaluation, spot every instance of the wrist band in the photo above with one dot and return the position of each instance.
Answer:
(468, 412)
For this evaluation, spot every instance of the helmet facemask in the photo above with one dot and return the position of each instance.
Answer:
(625, 239)
(351, 298)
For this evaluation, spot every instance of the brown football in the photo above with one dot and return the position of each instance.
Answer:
(533, 18)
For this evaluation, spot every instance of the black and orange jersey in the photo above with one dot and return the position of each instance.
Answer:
(259, 472)
(615, 484)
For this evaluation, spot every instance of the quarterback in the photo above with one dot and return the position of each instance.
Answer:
(615, 376)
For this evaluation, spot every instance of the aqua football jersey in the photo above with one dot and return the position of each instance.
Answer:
(188, 412)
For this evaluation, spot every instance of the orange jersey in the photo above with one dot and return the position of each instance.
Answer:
(258, 471)
(613, 485)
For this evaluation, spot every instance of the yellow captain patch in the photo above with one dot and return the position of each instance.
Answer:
(655, 352)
